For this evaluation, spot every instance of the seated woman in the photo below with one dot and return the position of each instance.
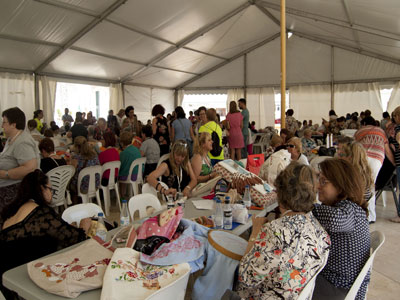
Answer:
(201, 163)
(283, 255)
(149, 149)
(109, 154)
(343, 214)
(127, 156)
(295, 149)
(276, 141)
(50, 159)
(32, 229)
(307, 142)
(84, 156)
(176, 172)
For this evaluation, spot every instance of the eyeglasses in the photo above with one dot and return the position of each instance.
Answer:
(291, 146)
(53, 191)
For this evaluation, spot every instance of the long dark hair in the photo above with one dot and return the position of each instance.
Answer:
(30, 188)
(346, 179)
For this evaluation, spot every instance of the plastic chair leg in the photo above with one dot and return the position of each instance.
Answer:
(106, 195)
(118, 197)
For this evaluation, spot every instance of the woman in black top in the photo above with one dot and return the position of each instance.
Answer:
(33, 229)
(176, 172)
(160, 128)
(50, 159)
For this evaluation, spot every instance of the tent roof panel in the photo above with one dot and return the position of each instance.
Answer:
(83, 64)
(159, 77)
(112, 39)
(174, 19)
(95, 6)
(236, 34)
(24, 56)
(31, 19)
(190, 61)
(381, 45)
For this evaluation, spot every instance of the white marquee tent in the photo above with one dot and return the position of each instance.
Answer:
(155, 51)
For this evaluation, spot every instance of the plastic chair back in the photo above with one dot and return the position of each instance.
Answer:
(162, 158)
(377, 240)
(110, 166)
(308, 290)
(141, 202)
(93, 190)
(80, 211)
(175, 290)
(148, 189)
(59, 178)
(140, 162)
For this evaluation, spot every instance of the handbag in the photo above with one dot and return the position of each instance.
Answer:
(254, 163)
(73, 271)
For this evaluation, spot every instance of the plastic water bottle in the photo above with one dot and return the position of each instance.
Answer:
(170, 202)
(124, 217)
(227, 214)
(247, 197)
(101, 230)
(219, 215)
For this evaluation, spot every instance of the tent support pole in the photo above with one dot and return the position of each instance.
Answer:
(283, 63)
(176, 97)
(37, 102)
(245, 76)
(332, 78)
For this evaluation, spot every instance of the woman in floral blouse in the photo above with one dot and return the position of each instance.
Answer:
(283, 255)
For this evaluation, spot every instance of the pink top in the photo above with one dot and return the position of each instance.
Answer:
(235, 138)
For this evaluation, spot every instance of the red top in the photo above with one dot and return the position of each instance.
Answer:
(110, 154)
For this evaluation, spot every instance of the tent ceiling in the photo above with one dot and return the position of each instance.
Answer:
(173, 43)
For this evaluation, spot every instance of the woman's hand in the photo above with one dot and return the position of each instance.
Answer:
(186, 192)
(85, 224)
(171, 191)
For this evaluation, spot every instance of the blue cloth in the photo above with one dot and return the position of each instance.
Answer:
(182, 129)
(190, 247)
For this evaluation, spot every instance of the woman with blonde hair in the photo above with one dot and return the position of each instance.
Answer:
(84, 156)
(201, 163)
(234, 125)
(295, 149)
(176, 172)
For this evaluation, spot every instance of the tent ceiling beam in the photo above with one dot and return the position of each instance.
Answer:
(332, 21)
(67, 6)
(188, 39)
(351, 22)
(76, 78)
(148, 86)
(81, 33)
(345, 47)
(288, 85)
(246, 51)
(268, 14)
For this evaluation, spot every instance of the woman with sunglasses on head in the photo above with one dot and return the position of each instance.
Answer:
(32, 228)
(344, 215)
(295, 149)
(176, 172)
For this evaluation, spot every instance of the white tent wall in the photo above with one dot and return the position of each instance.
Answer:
(47, 97)
(144, 98)
(116, 97)
(261, 106)
(310, 102)
(17, 90)
(358, 97)
(394, 100)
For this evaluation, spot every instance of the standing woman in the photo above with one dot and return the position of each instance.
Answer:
(176, 172)
(130, 115)
(234, 126)
(37, 116)
(344, 215)
(19, 157)
(160, 128)
(181, 129)
(201, 163)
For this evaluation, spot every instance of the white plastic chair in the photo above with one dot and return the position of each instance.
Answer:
(59, 178)
(377, 240)
(93, 191)
(111, 166)
(308, 290)
(140, 162)
(141, 202)
(175, 290)
(78, 212)
(148, 189)
(162, 158)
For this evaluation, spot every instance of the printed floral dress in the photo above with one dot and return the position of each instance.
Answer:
(286, 254)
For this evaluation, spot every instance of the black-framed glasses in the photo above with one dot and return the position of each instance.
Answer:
(53, 191)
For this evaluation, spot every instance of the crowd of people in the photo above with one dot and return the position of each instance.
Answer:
(282, 255)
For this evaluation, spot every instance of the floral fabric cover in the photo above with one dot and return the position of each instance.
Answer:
(127, 278)
(72, 272)
(260, 199)
(286, 255)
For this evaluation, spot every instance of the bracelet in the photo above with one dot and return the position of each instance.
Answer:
(188, 187)
(157, 186)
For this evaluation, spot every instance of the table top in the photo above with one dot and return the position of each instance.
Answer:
(18, 280)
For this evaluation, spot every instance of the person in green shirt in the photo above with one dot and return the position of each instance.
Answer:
(245, 129)
(210, 127)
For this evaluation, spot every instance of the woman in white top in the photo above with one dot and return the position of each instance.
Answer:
(295, 149)
(201, 163)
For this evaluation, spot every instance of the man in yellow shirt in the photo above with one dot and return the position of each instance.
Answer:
(210, 127)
